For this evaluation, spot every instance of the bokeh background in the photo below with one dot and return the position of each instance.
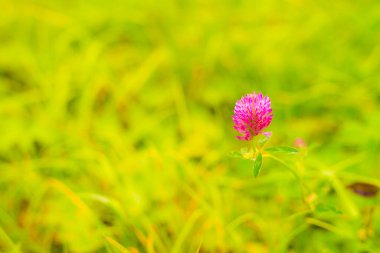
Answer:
(115, 121)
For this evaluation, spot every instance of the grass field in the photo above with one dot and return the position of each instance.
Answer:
(116, 127)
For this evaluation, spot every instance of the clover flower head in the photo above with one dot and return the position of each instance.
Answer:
(252, 114)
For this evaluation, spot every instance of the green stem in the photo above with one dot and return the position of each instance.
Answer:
(304, 189)
(254, 146)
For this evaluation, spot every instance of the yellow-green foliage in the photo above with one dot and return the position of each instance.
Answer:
(115, 121)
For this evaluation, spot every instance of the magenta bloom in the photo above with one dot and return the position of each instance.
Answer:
(252, 114)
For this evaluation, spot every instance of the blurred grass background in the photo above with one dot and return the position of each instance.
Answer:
(116, 125)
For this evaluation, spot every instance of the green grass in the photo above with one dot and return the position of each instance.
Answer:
(115, 121)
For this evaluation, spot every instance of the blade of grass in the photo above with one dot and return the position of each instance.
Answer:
(117, 245)
(7, 243)
(329, 227)
(177, 247)
(346, 201)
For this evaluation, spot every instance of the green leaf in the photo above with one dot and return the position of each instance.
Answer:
(235, 154)
(263, 141)
(247, 154)
(240, 154)
(257, 164)
(244, 150)
(284, 149)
